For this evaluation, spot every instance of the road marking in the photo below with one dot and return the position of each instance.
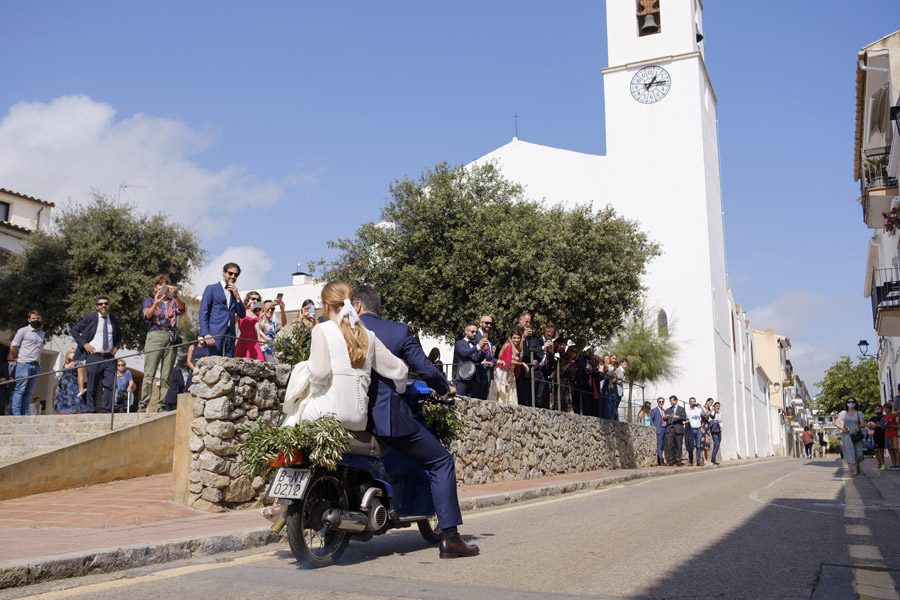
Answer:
(854, 512)
(874, 584)
(864, 551)
(152, 577)
(858, 529)
(755, 497)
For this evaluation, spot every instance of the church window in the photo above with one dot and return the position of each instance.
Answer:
(648, 17)
(662, 323)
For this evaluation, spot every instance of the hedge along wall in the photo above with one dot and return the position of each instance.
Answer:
(502, 443)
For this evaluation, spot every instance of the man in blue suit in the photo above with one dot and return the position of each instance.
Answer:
(658, 420)
(219, 307)
(468, 350)
(392, 420)
(98, 337)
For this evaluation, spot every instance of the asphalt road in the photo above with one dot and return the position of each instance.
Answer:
(778, 529)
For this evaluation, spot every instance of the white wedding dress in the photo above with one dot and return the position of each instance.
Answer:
(337, 388)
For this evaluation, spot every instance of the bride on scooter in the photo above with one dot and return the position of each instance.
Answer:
(342, 355)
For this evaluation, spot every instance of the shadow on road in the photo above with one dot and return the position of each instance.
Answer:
(781, 550)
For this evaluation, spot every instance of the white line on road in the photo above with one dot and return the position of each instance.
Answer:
(152, 577)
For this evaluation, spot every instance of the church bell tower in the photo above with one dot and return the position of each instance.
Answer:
(662, 148)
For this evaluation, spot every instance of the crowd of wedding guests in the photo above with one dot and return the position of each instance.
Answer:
(696, 429)
(534, 367)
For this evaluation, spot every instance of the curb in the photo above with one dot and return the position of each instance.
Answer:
(110, 560)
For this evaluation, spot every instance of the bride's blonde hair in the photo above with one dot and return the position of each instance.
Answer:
(333, 294)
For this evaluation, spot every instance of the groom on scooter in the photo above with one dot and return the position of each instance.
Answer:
(391, 419)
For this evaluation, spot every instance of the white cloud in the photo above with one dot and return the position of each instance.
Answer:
(254, 263)
(64, 148)
(799, 314)
(790, 313)
(810, 362)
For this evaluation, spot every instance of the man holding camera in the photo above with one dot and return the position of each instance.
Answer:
(468, 350)
(162, 313)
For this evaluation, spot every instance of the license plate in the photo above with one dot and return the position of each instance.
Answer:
(289, 483)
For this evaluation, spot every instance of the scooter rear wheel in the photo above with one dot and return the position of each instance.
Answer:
(430, 530)
(312, 543)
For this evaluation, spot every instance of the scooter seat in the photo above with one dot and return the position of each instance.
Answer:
(366, 444)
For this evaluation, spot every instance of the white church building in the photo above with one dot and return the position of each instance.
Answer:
(662, 170)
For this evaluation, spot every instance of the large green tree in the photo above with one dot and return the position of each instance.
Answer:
(844, 379)
(460, 242)
(102, 247)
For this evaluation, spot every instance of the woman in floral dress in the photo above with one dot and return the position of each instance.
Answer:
(705, 436)
(68, 398)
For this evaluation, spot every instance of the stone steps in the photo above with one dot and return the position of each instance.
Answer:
(65, 423)
(21, 437)
(13, 453)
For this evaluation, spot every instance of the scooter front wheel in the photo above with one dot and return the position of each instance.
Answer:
(312, 542)
(430, 530)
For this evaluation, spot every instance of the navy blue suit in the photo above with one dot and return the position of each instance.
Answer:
(217, 318)
(465, 351)
(98, 372)
(391, 418)
(658, 420)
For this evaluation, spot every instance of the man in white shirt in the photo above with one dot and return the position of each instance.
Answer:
(98, 336)
(695, 414)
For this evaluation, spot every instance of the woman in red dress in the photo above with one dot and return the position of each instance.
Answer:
(248, 344)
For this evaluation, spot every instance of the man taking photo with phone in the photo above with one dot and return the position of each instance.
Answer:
(161, 312)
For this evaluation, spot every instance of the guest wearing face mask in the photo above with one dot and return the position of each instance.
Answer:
(25, 351)
(850, 423)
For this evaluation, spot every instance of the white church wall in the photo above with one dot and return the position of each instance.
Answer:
(662, 171)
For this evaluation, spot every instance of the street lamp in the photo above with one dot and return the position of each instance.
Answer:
(863, 347)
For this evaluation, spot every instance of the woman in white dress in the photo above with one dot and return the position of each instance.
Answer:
(342, 355)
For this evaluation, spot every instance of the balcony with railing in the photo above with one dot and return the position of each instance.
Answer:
(877, 187)
(886, 301)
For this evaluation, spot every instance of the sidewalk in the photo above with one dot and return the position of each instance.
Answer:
(126, 524)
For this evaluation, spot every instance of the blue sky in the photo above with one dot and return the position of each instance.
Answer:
(273, 127)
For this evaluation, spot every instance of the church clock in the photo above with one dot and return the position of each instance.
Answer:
(650, 84)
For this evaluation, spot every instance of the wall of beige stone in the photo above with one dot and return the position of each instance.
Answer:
(502, 443)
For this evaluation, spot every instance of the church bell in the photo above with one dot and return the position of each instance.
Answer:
(649, 25)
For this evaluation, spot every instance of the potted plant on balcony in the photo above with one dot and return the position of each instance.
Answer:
(875, 170)
(891, 220)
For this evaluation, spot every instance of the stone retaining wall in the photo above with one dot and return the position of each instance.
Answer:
(502, 443)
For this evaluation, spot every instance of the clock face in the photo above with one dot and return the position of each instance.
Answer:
(650, 84)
